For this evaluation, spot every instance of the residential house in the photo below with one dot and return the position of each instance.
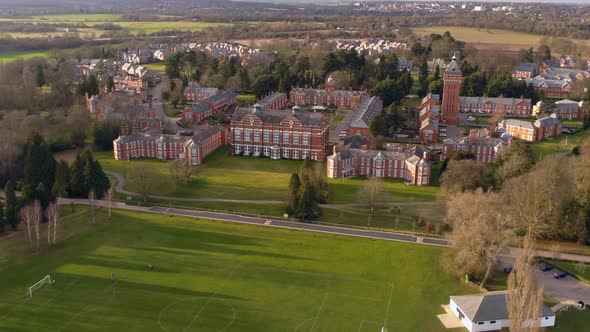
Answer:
(571, 110)
(327, 96)
(525, 70)
(489, 312)
(279, 134)
(533, 132)
(484, 147)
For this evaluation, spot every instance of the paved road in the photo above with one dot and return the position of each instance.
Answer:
(229, 217)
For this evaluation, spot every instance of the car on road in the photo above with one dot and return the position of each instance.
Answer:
(559, 275)
(545, 267)
(508, 269)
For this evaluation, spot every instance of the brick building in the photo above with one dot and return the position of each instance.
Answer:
(152, 143)
(484, 147)
(532, 132)
(363, 115)
(288, 134)
(451, 104)
(551, 88)
(525, 70)
(274, 101)
(428, 121)
(209, 107)
(195, 93)
(327, 96)
(569, 109)
(355, 159)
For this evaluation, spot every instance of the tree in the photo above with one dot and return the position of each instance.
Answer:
(91, 200)
(28, 215)
(545, 52)
(525, 295)
(294, 187)
(263, 85)
(10, 205)
(372, 193)
(110, 84)
(39, 75)
(480, 232)
(2, 221)
(62, 180)
(307, 208)
(465, 175)
(109, 198)
(144, 179)
(40, 164)
(105, 133)
(52, 213)
(244, 79)
(515, 161)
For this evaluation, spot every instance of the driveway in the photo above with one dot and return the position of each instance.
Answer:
(334, 138)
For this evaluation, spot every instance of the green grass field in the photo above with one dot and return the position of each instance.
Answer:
(7, 57)
(560, 143)
(212, 276)
(234, 177)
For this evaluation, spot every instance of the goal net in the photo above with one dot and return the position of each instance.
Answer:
(39, 284)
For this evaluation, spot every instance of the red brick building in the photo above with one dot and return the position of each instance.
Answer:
(153, 144)
(195, 93)
(288, 134)
(484, 148)
(209, 107)
(327, 96)
(428, 121)
(274, 101)
(363, 115)
(355, 159)
(569, 109)
(551, 88)
(533, 132)
(451, 104)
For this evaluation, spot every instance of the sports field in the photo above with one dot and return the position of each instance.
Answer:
(214, 276)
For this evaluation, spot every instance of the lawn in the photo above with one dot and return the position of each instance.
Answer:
(212, 276)
(7, 57)
(233, 177)
(560, 143)
(159, 67)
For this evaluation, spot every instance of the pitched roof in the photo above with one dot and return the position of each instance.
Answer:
(277, 116)
(517, 123)
(453, 67)
(488, 306)
(367, 110)
(548, 121)
(222, 97)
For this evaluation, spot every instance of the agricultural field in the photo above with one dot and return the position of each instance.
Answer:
(6, 57)
(490, 36)
(132, 27)
(211, 276)
(234, 177)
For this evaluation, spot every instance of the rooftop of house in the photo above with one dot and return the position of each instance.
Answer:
(222, 97)
(548, 121)
(517, 123)
(488, 306)
(313, 119)
(528, 66)
(492, 100)
(367, 109)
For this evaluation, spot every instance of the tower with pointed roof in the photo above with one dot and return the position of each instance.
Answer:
(452, 86)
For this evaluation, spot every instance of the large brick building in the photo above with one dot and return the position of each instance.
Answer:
(209, 107)
(451, 104)
(327, 96)
(274, 101)
(569, 109)
(484, 147)
(533, 132)
(152, 143)
(355, 159)
(195, 93)
(428, 120)
(362, 116)
(276, 134)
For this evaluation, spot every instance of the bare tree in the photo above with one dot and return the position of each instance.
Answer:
(481, 231)
(525, 296)
(175, 169)
(372, 193)
(465, 175)
(27, 216)
(109, 197)
(144, 180)
(52, 213)
(37, 216)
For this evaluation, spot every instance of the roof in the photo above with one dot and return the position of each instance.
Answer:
(222, 97)
(277, 116)
(528, 66)
(548, 121)
(364, 114)
(488, 306)
(453, 67)
(492, 100)
(517, 123)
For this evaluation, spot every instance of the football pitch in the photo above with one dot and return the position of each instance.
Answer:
(216, 276)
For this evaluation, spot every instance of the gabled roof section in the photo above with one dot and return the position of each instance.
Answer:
(453, 68)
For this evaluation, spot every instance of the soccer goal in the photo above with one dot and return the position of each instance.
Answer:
(39, 284)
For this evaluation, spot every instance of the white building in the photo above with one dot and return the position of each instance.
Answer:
(488, 312)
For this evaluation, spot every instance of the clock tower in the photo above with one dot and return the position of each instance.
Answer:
(452, 79)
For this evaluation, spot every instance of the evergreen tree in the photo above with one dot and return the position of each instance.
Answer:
(10, 205)
(437, 73)
(423, 78)
(110, 84)
(98, 180)
(62, 180)
(244, 79)
(307, 208)
(294, 187)
(77, 177)
(39, 169)
(39, 76)
(2, 221)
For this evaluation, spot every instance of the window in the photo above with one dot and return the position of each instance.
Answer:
(480, 323)
(306, 139)
(247, 133)
(256, 135)
(266, 151)
(256, 151)
(493, 322)
(295, 138)
(285, 153)
(295, 154)
(285, 137)
(237, 134)
(267, 136)
(304, 154)
(238, 149)
(247, 150)
(275, 138)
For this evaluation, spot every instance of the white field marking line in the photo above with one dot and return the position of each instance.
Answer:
(235, 314)
(366, 298)
(366, 321)
(302, 322)
(335, 277)
(209, 300)
(168, 307)
(388, 306)
(61, 291)
(83, 311)
(319, 311)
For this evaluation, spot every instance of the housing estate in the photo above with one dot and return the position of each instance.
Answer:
(276, 134)
(555, 81)
(362, 116)
(151, 143)
(354, 158)
(327, 96)
(489, 312)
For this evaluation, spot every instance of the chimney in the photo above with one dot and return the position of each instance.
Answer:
(335, 149)
(425, 155)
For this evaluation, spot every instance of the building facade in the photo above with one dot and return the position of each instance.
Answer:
(571, 110)
(428, 120)
(195, 93)
(484, 147)
(153, 144)
(276, 134)
(274, 101)
(532, 132)
(352, 160)
(327, 96)
(209, 107)
(451, 104)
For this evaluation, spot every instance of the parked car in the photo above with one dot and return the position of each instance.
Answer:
(545, 267)
(442, 130)
(567, 131)
(508, 269)
(559, 274)
(442, 134)
(471, 118)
